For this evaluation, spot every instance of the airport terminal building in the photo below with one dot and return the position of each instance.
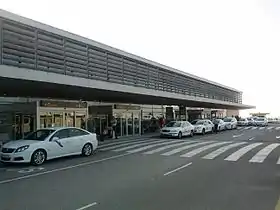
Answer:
(50, 77)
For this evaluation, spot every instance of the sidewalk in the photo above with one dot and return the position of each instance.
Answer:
(125, 138)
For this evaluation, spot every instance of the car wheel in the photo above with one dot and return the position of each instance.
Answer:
(191, 134)
(180, 135)
(87, 150)
(38, 157)
(203, 131)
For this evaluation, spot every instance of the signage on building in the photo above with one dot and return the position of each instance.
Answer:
(63, 104)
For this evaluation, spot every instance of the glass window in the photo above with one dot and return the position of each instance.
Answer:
(174, 124)
(77, 132)
(39, 135)
(61, 134)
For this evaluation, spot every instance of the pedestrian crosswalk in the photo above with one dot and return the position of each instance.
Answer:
(269, 128)
(256, 152)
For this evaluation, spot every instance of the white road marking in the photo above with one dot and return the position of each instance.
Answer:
(277, 128)
(278, 162)
(262, 154)
(201, 149)
(128, 144)
(235, 136)
(254, 128)
(174, 151)
(246, 128)
(239, 128)
(261, 128)
(61, 169)
(138, 145)
(239, 153)
(87, 206)
(277, 137)
(221, 150)
(150, 146)
(269, 128)
(252, 138)
(167, 147)
(121, 142)
(177, 169)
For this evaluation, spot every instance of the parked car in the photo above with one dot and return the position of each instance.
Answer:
(203, 126)
(221, 124)
(49, 143)
(243, 122)
(230, 123)
(177, 129)
(261, 121)
(251, 121)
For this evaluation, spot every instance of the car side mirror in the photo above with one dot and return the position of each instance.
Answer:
(55, 138)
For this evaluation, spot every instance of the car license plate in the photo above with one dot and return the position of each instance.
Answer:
(5, 156)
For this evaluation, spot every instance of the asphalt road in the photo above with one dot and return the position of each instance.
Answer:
(236, 169)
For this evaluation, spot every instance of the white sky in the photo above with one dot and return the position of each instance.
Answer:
(236, 43)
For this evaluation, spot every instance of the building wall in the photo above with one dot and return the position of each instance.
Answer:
(231, 112)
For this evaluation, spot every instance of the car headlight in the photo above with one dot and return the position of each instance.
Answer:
(21, 149)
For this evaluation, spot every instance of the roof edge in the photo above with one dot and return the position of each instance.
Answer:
(61, 32)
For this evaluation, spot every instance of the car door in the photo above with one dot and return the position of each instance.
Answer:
(209, 126)
(57, 145)
(77, 140)
(185, 129)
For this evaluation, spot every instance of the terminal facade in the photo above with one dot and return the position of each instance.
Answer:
(50, 77)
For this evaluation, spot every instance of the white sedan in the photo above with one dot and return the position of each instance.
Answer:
(49, 143)
(203, 126)
(177, 129)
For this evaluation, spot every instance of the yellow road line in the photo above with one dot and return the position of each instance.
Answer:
(277, 207)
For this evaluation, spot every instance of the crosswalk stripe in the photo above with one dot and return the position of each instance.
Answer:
(254, 128)
(221, 150)
(247, 128)
(201, 149)
(239, 153)
(150, 146)
(167, 147)
(269, 128)
(174, 151)
(262, 154)
(137, 145)
(277, 128)
(122, 142)
(126, 144)
(239, 128)
(261, 128)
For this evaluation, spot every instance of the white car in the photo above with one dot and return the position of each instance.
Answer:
(261, 121)
(221, 124)
(49, 143)
(203, 126)
(177, 129)
(230, 123)
(243, 122)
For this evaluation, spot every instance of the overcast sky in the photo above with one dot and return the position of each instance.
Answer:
(236, 43)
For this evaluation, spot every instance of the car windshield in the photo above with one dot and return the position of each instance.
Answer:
(174, 124)
(260, 119)
(39, 135)
(227, 120)
(242, 120)
(200, 122)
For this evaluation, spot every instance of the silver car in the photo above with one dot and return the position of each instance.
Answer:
(177, 129)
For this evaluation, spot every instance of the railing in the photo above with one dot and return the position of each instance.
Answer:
(26, 47)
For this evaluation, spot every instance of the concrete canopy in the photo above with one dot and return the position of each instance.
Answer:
(31, 83)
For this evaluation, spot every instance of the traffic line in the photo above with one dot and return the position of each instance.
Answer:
(174, 151)
(269, 128)
(277, 137)
(221, 150)
(137, 145)
(167, 147)
(262, 154)
(201, 149)
(254, 128)
(261, 128)
(87, 206)
(120, 142)
(61, 169)
(150, 146)
(252, 138)
(277, 128)
(177, 169)
(235, 136)
(239, 153)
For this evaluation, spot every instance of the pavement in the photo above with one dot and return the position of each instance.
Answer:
(232, 170)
